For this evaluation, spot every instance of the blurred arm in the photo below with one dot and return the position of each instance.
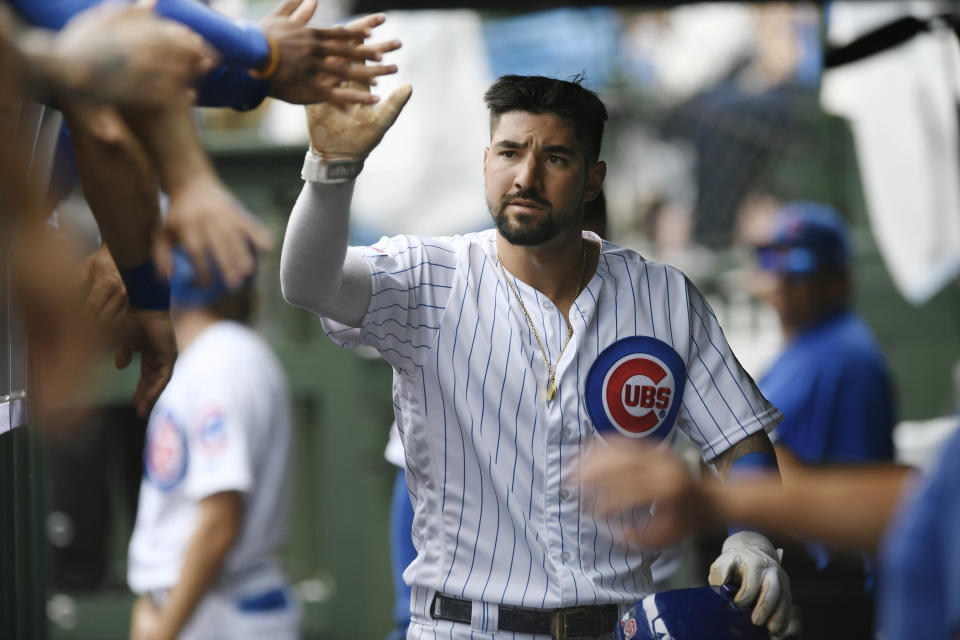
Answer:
(848, 506)
(240, 43)
(113, 52)
(203, 217)
(843, 507)
(118, 181)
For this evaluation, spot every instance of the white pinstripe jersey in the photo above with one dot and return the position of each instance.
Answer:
(491, 465)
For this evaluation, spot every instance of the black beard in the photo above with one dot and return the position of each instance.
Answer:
(527, 236)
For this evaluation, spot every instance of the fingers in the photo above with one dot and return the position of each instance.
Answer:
(339, 33)
(357, 52)
(768, 597)
(195, 245)
(388, 111)
(151, 384)
(226, 245)
(157, 345)
(123, 356)
(344, 97)
(148, 5)
(258, 234)
(366, 23)
(286, 8)
(305, 11)
(778, 622)
(361, 74)
(750, 582)
(233, 243)
(721, 570)
(162, 257)
(109, 319)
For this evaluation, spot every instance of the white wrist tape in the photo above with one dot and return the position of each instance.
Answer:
(316, 169)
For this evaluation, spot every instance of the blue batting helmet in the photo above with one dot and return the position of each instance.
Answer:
(186, 289)
(701, 613)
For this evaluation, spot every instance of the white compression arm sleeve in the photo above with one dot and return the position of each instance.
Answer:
(317, 270)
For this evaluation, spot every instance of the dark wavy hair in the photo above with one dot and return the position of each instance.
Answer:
(569, 100)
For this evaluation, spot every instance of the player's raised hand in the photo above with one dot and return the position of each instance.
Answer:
(352, 133)
(312, 63)
(127, 55)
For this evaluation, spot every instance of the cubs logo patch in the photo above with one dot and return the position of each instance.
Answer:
(165, 457)
(634, 388)
(211, 431)
(629, 628)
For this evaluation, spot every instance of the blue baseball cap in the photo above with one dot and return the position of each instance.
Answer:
(807, 236)
(186, 289)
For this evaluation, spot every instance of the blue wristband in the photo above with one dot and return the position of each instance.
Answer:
(227, 87)
(146, 289)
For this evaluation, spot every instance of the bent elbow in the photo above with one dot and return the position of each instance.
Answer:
(292, 294)
(295, 292)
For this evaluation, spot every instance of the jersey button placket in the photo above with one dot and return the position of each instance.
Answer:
(559, 457)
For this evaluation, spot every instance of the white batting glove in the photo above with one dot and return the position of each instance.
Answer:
(751, 559)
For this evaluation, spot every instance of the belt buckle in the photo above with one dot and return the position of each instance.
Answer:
(558, 623)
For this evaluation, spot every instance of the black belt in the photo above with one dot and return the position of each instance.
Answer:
(569, 623)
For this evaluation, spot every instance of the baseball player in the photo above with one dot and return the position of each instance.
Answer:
(516, 350)
(214, 499)
(832, 383)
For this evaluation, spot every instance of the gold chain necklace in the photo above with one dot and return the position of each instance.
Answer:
(551, 382)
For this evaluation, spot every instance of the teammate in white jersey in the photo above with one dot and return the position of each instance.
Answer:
(214, 500)
(517, 350)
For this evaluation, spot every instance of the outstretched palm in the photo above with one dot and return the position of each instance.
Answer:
(352, 133)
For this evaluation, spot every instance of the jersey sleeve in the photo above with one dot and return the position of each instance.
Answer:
(411, 280)
(218, 445)
(721, 403)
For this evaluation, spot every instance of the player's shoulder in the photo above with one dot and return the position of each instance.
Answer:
(398, 245)
(620, 260)
(415, 248)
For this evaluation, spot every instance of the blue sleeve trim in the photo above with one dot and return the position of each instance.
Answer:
(240, 43)
(225, 87)
(50, 14)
